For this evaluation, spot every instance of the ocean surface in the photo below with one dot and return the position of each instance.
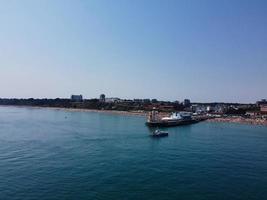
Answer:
(55, 154)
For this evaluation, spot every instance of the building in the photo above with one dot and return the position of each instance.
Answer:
(198, 108)
(112, 100)
(210, 109)
(263, 101)
(219, 108)
(253, 113)
(77, 98)
(263, 109)
(154, 101)
(187, 103)
(102, 98)
(138, 100)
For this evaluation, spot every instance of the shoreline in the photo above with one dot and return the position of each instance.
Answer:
(117, 112)
(239, 120)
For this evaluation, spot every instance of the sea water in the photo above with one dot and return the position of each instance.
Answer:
(57, 154)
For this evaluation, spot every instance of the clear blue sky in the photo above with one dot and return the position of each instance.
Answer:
(212, 50)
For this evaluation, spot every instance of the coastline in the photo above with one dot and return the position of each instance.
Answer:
(239, 120)
(126, 113)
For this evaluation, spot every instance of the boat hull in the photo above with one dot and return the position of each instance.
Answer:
(171, 123)
(160, 135)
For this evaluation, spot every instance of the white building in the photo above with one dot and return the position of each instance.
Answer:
(112, 100)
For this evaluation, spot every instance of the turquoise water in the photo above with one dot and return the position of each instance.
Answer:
(51, 154)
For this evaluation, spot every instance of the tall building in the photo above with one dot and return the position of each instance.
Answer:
(102, 98)
(187, 103)
(76, 97)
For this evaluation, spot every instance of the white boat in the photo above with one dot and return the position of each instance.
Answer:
(158, 133)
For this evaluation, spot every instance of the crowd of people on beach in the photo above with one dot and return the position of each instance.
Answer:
(241, 120)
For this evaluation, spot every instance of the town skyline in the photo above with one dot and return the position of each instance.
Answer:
(180, 100)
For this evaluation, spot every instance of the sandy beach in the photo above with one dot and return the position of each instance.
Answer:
(129, 113)
(240, 120)
(135, 113)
